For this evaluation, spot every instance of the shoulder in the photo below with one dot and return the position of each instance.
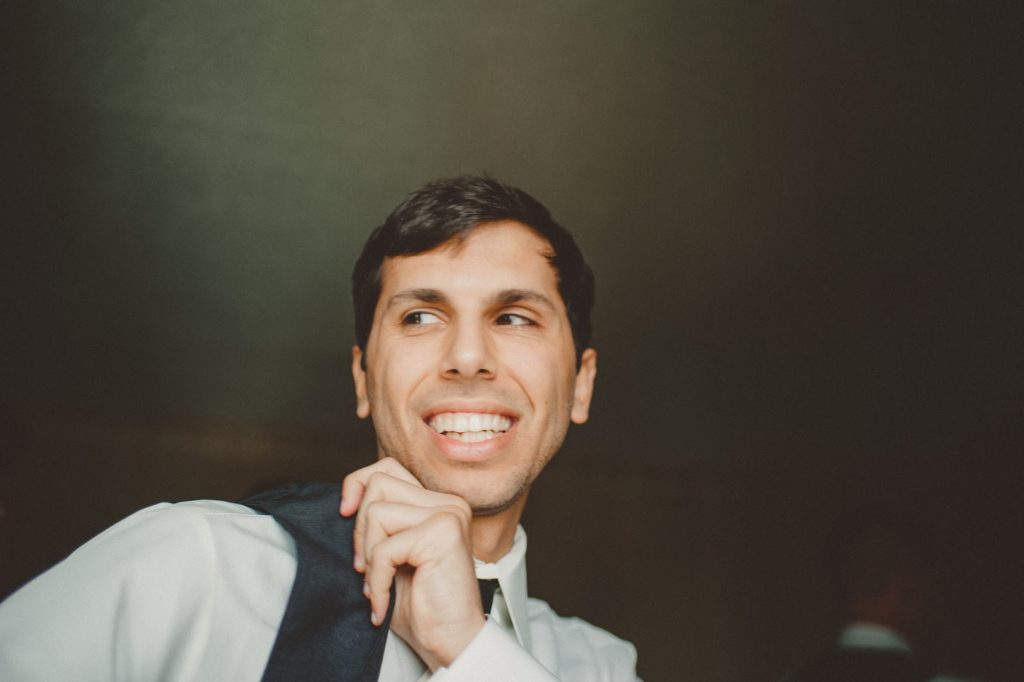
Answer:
(203, 527)
(582, 650)
(164, 589)
(183, 548)
(183, 517)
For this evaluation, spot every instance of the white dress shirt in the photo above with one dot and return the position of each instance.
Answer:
(879, 637)
(871, 636)
(196, 591)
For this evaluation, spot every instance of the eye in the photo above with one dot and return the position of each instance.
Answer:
(513, 320)
(420, 318)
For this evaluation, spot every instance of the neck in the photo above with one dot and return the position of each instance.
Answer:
(493, 534)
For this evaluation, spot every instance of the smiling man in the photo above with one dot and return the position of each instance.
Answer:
(471, 367)
(472, 324)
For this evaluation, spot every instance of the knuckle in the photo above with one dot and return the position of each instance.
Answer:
(449, 519)
(374, 484)
(387, 467)
(459, 505)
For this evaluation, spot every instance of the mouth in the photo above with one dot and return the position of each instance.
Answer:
(470, 427)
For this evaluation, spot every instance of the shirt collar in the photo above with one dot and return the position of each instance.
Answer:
(510, 572)
(871, 636)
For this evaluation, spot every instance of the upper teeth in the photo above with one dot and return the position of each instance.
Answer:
(469, 422)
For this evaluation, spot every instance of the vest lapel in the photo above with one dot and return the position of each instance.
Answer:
(326, 632)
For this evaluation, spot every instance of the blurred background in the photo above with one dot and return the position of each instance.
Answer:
(805, 221)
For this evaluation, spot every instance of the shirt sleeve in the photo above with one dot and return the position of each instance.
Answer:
(576, 651)
(79, 619)
(145, 600)
(496, 656)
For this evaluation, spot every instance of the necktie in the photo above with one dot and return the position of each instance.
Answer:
(487, 588)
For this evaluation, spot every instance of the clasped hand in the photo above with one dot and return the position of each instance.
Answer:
(420, 540)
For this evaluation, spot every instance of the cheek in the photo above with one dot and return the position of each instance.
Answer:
(547, 373)
(549, 390)
(396, 377)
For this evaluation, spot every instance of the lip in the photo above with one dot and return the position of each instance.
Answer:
(470, 406)
(482, 451)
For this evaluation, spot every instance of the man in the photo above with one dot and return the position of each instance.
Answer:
(884, 570)
(472, 322)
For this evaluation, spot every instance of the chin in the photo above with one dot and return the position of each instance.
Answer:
(492, 507)
(481, 494)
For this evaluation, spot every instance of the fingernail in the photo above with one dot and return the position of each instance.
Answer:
(366, 590)
(374, 618)
(358, 563)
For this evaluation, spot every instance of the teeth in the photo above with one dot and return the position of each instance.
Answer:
(470, 427)
(471, 436)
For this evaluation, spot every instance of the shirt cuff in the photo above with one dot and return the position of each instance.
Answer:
(494, 655)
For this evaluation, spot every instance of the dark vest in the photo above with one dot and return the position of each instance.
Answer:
(325, 633)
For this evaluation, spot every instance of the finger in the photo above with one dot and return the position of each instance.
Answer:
(381, 487)
(384, 519)
(414, 546)
(354, 484)
(380, 573)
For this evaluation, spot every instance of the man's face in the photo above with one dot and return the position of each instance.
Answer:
(470, 367)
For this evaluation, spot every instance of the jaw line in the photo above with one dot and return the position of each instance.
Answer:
(496, 509)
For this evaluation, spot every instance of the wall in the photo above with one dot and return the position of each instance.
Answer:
(802, 219)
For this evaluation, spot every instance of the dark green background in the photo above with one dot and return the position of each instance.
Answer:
(805, 224)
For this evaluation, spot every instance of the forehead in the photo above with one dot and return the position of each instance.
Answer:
(494, 257)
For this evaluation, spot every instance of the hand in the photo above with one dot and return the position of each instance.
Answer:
(418, 539)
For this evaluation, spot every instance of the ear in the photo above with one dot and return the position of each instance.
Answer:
(584, 390)
(359, 379)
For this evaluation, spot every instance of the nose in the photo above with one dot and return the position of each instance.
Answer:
(469, 353)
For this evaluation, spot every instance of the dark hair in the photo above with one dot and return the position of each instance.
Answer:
(451, 209)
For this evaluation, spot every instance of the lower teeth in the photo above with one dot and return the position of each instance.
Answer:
(471, 436)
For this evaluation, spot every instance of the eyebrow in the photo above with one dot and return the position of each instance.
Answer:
(513, 296)
(417, 296)
(502, 298)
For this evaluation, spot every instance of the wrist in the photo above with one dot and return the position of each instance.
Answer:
(451, 641)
